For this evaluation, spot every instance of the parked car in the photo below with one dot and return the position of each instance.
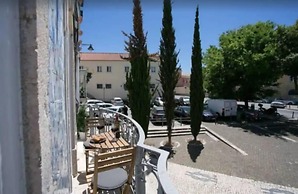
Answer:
(277, 104)
(110, 116)
(248, 114)
(104, 105)
(93, 102)
(158, 101)
(117, 101)
(182, 113)
(184, 101)
(158, 115)
(208, 115)
(289, 102)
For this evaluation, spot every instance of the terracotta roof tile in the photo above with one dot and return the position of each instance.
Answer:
(102, 56)
(93, 56)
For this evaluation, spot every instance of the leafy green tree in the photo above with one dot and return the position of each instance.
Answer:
(215, 81)
(168, 73)
(196, 81)
(289, 43)
(249, 62)
(138, 79)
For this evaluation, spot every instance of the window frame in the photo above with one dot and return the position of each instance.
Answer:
(97, 86)
(99, 69)
(109, 69)
(106, 86)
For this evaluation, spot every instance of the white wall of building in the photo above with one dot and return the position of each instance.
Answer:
(116, 78)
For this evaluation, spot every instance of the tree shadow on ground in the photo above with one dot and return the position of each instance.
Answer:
(278, 127)
(194, 149)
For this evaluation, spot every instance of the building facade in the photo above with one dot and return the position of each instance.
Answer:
(108, 71)
(183, 84)
(38, 99)
(285, 85)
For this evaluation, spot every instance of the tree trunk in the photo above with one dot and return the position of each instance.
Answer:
(246, 104)
(295, 83)
(170, 138)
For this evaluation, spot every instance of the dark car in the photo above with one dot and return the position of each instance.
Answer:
(248, 114)
(182, 113)
(184, 101)
(208, 115)
(158, 115)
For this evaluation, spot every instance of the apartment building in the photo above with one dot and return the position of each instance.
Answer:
(285, 87)
(183, 84)
(109, 74)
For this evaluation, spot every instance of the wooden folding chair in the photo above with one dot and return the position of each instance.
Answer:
(95, 124)
(113, 171)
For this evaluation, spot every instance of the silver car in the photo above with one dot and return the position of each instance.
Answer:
(277, 104)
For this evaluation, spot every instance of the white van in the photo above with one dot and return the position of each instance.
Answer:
(223, 107)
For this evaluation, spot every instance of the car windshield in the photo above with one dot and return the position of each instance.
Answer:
(159, 111)
(186, 109)
(186, 99)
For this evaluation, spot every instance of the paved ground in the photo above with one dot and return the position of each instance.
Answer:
(272, 157)
(195, 181)
(270, 166)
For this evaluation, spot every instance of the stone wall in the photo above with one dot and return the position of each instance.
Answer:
(46, 132)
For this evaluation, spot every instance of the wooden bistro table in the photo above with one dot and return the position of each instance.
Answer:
(110, 143)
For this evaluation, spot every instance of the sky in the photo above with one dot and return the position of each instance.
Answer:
(105, 20)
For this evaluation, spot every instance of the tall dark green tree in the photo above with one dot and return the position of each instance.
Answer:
(169, 72)
(196, 81)
(138, 78)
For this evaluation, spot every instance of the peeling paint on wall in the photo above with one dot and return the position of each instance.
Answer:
(60, 141)
(1, 184)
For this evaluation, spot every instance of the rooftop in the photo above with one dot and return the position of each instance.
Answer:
(100, 56)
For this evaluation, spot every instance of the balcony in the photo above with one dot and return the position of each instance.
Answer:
(150, 168)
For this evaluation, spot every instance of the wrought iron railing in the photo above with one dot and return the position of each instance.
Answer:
(148, 159)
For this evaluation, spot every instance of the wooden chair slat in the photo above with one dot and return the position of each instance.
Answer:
(111, 160)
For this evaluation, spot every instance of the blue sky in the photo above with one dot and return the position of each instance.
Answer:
(104, 21)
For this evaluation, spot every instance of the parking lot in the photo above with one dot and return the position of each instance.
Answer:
(271, 149)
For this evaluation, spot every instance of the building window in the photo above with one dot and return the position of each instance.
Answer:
(99, 86)
(126, 69)
(109, 69)
(108, 86)
(153, 69)
(99, 69)
(152, 86)
(81, 67)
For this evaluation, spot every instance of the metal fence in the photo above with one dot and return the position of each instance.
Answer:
(148, 159)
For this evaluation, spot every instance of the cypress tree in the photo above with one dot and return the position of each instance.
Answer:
(196, 81)
(168, 65)
(138, 78)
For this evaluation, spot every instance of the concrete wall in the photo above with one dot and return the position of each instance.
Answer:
(12, 173)
(116, 78)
